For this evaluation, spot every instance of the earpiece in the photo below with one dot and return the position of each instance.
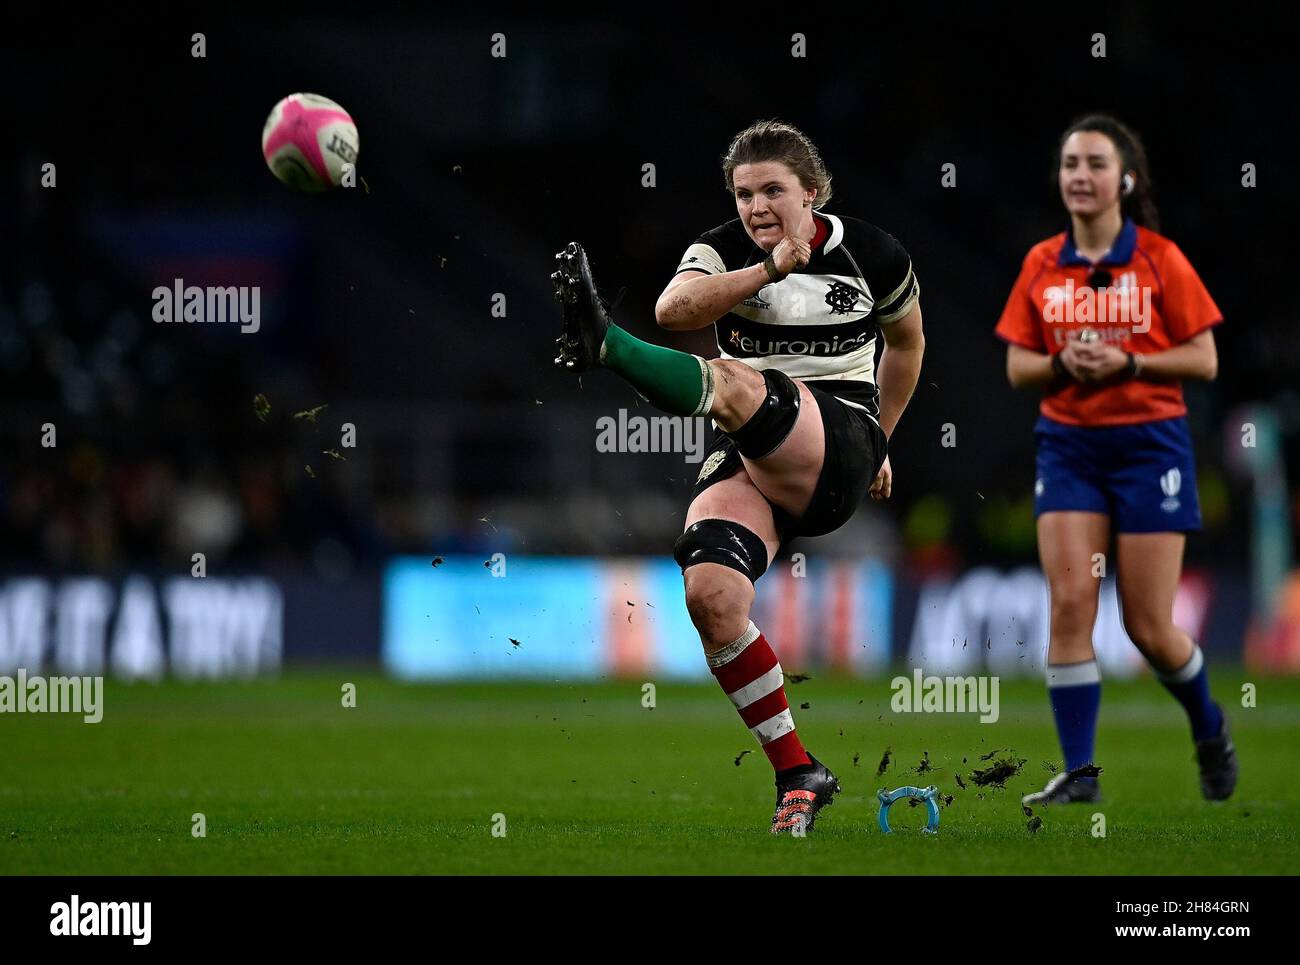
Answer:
(1128, 183)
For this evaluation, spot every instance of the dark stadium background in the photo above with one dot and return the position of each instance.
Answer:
(377, 301)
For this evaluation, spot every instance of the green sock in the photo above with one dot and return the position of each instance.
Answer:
(676, 382)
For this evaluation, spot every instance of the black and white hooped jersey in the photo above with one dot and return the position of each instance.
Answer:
(819, 323)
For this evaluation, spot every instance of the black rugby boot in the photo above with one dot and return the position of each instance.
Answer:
(800, 796)
(585, 312)
(1217, 759)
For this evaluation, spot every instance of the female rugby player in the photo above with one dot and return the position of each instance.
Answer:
(1107, 318)
(795, 296)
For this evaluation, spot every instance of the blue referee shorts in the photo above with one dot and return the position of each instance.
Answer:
(1143, 476)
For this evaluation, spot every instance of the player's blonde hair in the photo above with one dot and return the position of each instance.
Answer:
(776, 140)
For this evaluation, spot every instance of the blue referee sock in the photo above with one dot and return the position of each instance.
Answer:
(1191, 686)
(1075, 691)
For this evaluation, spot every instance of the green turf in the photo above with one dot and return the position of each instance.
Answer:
(590, 781)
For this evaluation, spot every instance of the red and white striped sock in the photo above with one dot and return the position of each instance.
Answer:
(749, 673)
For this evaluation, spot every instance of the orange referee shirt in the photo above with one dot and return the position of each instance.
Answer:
(1152, 301)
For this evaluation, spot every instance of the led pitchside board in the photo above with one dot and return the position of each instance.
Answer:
(566, 617)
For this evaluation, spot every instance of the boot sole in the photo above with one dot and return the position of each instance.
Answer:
(567, 286)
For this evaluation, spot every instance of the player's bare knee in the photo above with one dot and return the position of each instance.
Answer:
(738, 390)
(721, 560)
(1157, 638)
(1143, 631)
(1074, 612)
(768, 416)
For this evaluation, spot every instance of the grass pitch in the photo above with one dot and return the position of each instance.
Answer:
(590, 781)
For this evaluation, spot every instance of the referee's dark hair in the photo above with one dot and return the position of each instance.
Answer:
(1137, 204)
(776, 140)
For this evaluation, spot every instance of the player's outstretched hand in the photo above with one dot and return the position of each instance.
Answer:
(884, 484)
(791, 253)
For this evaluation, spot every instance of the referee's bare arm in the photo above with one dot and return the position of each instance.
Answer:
(900, 366)
(695, 300)
(1027, 369)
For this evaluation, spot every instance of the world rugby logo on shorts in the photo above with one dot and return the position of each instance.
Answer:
(1170, 483)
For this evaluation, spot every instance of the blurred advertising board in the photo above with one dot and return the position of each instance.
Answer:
(583, 617)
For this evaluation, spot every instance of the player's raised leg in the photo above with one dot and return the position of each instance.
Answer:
(1067, 542)
(676, 382)
(729, 538)
(1149, 565)
(773, 419)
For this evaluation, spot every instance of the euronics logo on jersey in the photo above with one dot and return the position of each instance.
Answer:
(1170, 483)
(797, 346)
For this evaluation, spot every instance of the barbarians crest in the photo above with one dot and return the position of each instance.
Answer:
(841, 298)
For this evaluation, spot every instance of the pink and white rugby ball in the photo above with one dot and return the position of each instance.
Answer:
(310, 143)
